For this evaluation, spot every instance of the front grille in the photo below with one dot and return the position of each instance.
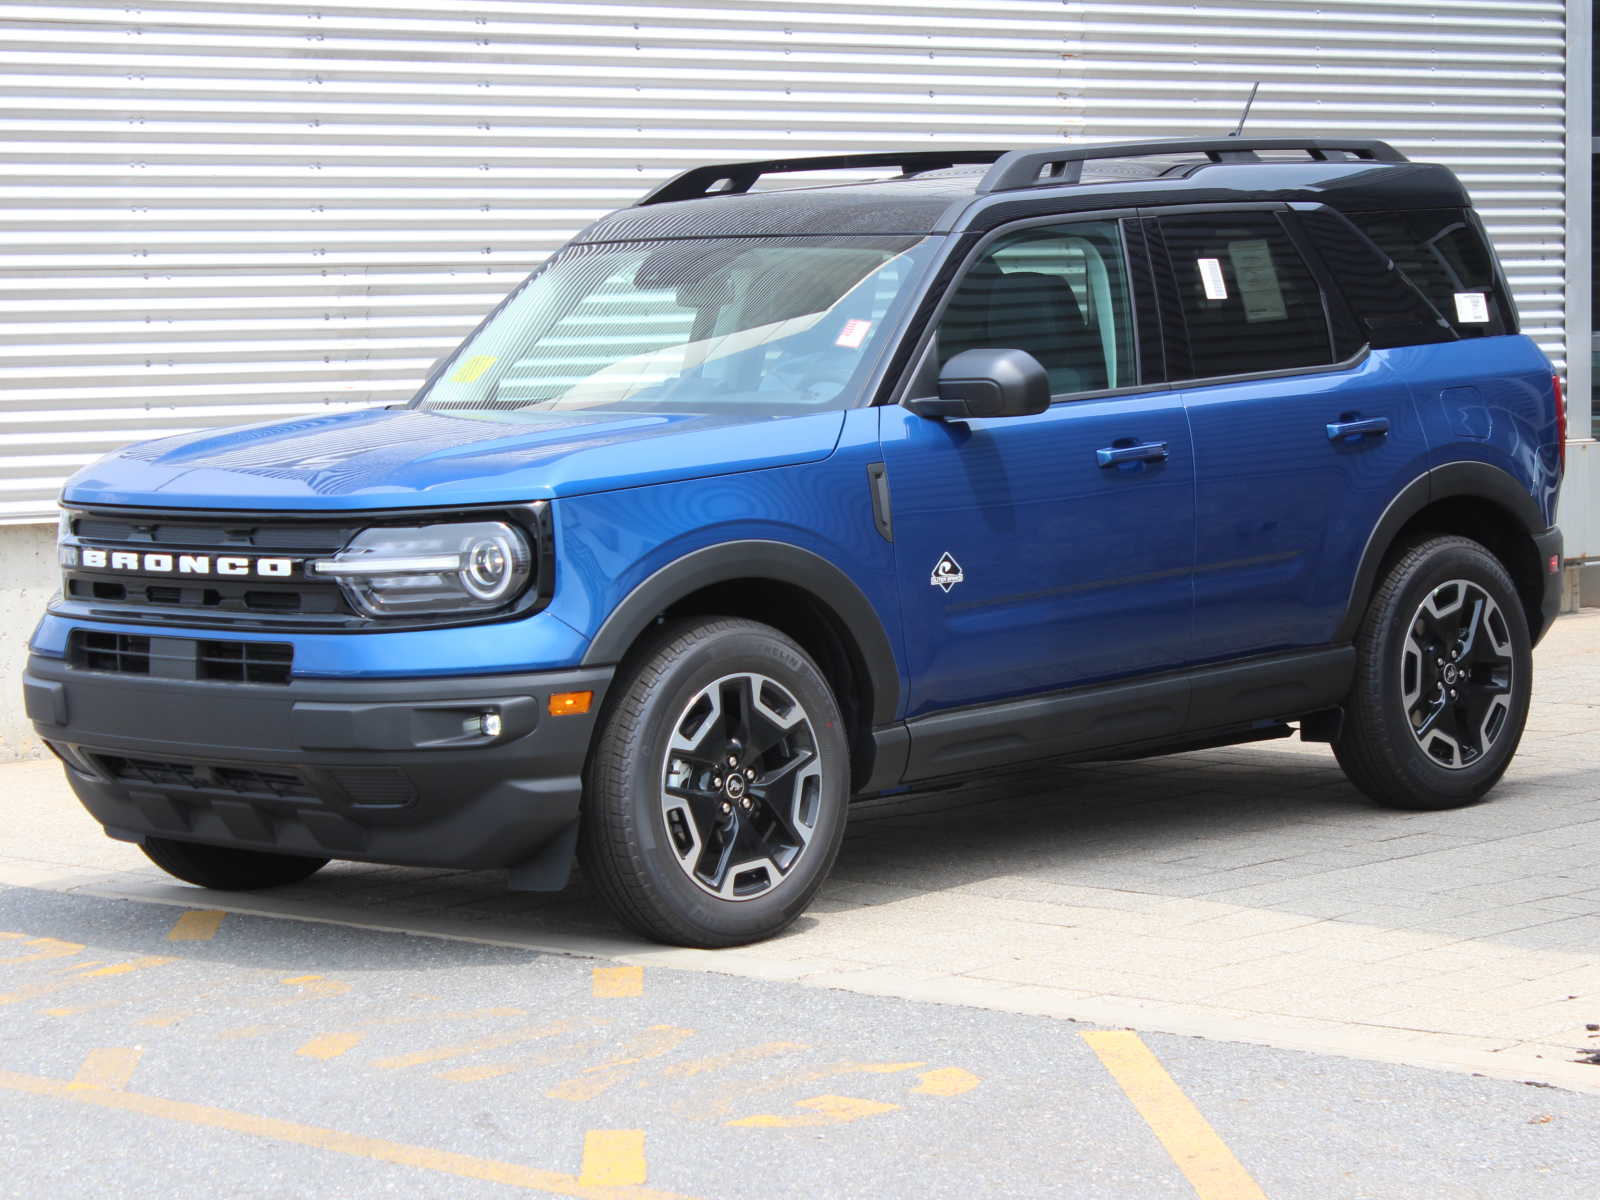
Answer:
(206, 777)
(186, 596)
(119, 653)
(181, 658)
(244, 662)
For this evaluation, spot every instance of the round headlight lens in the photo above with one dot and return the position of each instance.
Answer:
(486, 572)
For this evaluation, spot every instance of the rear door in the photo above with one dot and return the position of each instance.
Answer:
(1301, 436)
(1039, 552)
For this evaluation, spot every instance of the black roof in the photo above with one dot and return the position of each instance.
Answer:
(978, 189)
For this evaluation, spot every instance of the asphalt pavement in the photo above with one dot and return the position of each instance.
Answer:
(261, 1057)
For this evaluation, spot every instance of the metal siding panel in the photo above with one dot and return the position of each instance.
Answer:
(1475, 84)
(226, 210)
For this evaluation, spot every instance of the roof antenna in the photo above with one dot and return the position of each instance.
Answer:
(1245, 115)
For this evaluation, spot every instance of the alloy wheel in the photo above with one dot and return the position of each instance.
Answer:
(741, 786)
(1456, 674)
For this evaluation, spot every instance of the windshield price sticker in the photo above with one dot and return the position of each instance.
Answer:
(853, 334)
(1211, 278)
(1472, 308)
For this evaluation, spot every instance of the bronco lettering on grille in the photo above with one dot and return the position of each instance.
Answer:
(186, 564)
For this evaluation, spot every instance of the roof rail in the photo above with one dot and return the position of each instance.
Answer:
(732, 179)
(1064, 164)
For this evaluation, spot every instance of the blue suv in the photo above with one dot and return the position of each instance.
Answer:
(751, 501)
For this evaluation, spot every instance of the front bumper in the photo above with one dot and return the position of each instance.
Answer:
(380, 770)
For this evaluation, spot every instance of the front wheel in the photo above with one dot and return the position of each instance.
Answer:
(715, 797)
(1444, 672)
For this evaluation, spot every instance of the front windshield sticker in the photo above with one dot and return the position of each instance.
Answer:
(853, 334)
(1257, 279)
(473, 367)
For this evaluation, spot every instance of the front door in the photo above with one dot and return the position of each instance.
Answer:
(1041, 552)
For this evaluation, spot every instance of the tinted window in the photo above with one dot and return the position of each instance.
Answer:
(1060, 293)
(1248, 302)
(1389, 310)
(1443, 252)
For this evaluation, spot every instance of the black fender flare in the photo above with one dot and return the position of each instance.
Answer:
(780, 562)
(1480, 480)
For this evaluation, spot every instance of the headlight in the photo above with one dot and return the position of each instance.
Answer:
(432, 568)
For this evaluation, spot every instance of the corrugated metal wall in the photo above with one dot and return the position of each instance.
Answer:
(220, 210)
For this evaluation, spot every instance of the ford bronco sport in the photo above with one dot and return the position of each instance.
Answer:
(750, 501)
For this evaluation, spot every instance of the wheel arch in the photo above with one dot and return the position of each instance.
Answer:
(797, 592)
(1472, 499)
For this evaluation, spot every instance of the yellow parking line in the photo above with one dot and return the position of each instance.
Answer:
(498, 1041)
(1202, 1156)
(463, 1166)
(48, 986)
(654, 1042)
(196, 925)
(821, 1110)
(613, 1158)
(330, 1045)
(617, 983)
(48, 948)
(110, 1067)
(945, 1081)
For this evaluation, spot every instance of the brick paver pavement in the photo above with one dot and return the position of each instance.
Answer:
(1248, 893)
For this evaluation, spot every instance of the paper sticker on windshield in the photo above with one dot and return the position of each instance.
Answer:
(1257, 279)
(853, 334)
(471, 368)
(1211, 277)
(1472, 308)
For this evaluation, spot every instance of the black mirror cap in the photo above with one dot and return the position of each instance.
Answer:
(988, 383)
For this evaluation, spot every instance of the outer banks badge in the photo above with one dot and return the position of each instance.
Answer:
(946, 573)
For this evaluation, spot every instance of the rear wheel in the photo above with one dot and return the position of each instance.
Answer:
(1443, 679)
(714, 802)
(227, 868)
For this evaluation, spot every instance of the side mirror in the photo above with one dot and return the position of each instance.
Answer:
(988, 383)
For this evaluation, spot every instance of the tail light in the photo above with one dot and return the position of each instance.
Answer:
(1561, 422)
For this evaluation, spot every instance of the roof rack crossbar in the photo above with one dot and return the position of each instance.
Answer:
(1064, 164)
(732, 179)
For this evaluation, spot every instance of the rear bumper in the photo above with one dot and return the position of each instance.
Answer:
(1549, 546)
(380, 770)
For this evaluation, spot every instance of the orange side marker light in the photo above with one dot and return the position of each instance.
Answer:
(570, 704)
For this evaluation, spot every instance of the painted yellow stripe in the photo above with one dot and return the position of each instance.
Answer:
(111, 1067)
(48, 986)
(476, 1046)
(617, 983)
(330, 1045)
(945, 1081)
(820, 1110)
(47, 948)
(654, 1042)
(1202, 1156)
(445, 1162)
(127, 968)
(613, 1158)
(196, 925)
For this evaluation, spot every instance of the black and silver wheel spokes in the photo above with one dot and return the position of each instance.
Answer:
(741, 786)
(1456, 673)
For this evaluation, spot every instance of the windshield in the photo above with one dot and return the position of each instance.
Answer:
(756, 326)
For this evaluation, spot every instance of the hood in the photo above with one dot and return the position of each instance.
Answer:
(400, 458)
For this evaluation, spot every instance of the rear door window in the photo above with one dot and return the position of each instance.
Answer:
(1245, 301)
(1446, 256)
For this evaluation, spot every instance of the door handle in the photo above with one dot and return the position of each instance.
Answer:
(1354, 430)
(1116, 456)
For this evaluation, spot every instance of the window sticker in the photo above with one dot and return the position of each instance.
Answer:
(1211, 278)
(1472, 308)
(1258, 281)
(853, 334)
(471, 368)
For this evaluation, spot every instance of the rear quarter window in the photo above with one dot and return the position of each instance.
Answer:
(1444, 253)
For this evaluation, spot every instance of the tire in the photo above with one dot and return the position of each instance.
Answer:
(227, 869)
(1444, 672)
(683, 847)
